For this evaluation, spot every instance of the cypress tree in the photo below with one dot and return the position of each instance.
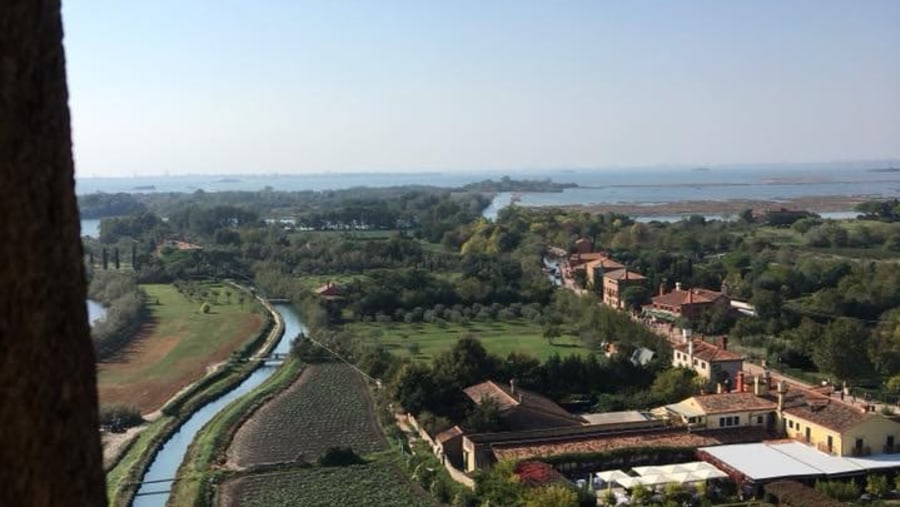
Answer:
(105, 259)
(116, 257)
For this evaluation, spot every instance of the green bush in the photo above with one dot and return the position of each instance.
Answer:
(118, 418)
(339, 457)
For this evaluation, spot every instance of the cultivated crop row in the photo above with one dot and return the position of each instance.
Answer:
(328, 406)
(355, 485)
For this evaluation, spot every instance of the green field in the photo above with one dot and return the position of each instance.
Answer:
(499, 337)
(356, 485)
(177, 344)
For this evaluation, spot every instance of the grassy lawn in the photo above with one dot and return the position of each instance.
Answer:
(176, 346)
(498, 337)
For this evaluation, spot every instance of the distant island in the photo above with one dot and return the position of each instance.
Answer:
(885, 170)
(144, 187)
(507, 184)
(227, 180)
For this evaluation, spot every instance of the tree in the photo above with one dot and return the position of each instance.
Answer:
(484, 418)
(877, 485)
(550, 332)
(674, 384)
(499, 485)
(414, 386)
(640, 494)
(465, 364)
(555, 495)
(842, 350)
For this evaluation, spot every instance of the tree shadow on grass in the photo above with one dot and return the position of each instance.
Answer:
(127, 350)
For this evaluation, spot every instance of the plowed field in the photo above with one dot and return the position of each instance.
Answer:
(328, 406)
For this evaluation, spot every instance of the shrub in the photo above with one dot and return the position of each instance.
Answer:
(339, 457)
(205, 308)
(118, 418)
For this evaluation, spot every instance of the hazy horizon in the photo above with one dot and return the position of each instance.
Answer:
(274, 87)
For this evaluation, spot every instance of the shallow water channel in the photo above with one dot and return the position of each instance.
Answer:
(170, 456)
(96, 311)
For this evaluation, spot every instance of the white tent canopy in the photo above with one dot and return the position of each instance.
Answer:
(681, 473)
(612, 475)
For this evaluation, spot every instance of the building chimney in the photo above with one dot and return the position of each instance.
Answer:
(512, 386)
(686, 335)
(690, 350)
(740, 382)
(724, 342)
(662, 289)
(760, 388)
(782, 388)
(690, 296)
(677, 285)
(724, 288)
(719, 389)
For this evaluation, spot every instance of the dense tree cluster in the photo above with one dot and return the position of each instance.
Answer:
(125, 310)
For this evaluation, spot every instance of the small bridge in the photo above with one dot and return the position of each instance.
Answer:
(155, 481)
(275, 356)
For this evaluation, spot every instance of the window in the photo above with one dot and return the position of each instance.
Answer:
(695, 362)
(808, 435)
(702, 365)
(830, 443)
(790, 424)
(722, 422)
(759, 419)
(737, 420)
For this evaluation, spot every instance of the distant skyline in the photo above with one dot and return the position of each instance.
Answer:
(271, 86)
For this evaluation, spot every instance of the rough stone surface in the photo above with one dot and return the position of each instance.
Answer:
(49, 442)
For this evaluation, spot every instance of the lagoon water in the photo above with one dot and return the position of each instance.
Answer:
(170, 456)
(613, 186)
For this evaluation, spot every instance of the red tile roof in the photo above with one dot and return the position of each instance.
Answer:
(583, 258)
(538, 473)
(604, 262)
(686, 297)
(828, 413)
(448, 434)
(709, 352)
(622, 274)
(733, 402)
(521, 398)
(654, 438)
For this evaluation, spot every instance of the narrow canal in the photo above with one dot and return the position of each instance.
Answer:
(170, 456)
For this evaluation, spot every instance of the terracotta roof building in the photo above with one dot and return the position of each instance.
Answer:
(615, 283)
(596, 268)
(725, 410)
(689, 303)
(521, 409)
(715, 363)
(833, 426)
(329, 290)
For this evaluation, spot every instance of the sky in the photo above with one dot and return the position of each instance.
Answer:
(286, 86)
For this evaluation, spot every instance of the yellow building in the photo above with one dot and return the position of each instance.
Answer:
(836, 427)
(726, 410)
